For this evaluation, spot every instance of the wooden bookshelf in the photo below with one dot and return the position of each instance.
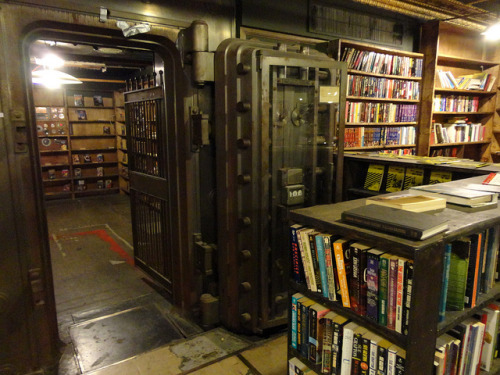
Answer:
(428, 261)
(121, 143)
(448, 48)
(379, 97)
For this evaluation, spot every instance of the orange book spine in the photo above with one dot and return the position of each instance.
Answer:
(476, 274)
(339, 259)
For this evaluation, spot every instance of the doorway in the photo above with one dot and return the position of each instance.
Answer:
(87, 171)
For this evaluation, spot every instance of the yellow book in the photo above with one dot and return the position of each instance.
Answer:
(395, 178)
(439, 176)
(374, 177)
(413, 177)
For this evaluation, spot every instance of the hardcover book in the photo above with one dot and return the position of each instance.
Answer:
(460, 196)
(413, 225)
(409, 202)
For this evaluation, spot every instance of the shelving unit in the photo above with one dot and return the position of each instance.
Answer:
(381, 108)
(77, 142)
(121, 142)
(461, 52)
(427, 257)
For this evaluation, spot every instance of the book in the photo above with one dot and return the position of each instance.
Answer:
(383, 288)
(392, 286)
(383, 349)
(413, 177)
(316, 314)
(98, 102)
(330, 267)
(372, 283)
(81, 114)
(407, 289)
(413, 225)
(78, 100)
(338, 330)
(51, 174)
(320, 249)
(326, 358)
(347, 345)
(444, 281)
(343, 268)
(461, 332)
(106, 129)
(400, 294)
(77, 172)
(99, 171)
(76, 159)
(108, 184)
(99, 158)
(457, 275)
(305, 252)
(473, 270)
(87, 158)
(491, 259)
(455, 195)
(297, 367)
(357, 350)
(395, 178)
(80, 185)
(64, 172)
(374, 177)
(295, 298)
(409, 202)
(315, 261)
(303, 325)
(297, 267)
(357, 283)
(491, 334)
(438, 177)
(100, 184)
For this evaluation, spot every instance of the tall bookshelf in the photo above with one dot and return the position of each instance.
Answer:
(383, 96)
(427, 257)
(121, 142)
(462, 52)
(77, 141)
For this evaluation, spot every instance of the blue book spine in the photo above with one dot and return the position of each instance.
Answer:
(295, 298)
(372, 287)
(322, 264)
(444, 284)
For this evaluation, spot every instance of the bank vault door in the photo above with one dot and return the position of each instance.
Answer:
(283, 138)
(147, 140)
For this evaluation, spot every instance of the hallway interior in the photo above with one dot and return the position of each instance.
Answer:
(114, 320)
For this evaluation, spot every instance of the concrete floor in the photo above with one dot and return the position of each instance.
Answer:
(98, 293)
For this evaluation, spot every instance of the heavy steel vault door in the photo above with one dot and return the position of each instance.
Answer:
(279, 140)
(147, 158)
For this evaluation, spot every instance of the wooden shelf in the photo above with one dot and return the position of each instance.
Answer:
(105, 177)
(57, 179)
(53, 136)
(53, 151)
(390, 76)
(378, 147)
(54, 165)
(468, 92)
(89, 107)
(94, 136)
(92, 121)
(370, 99)
(459, 144)
(481, 113)
(380, 124)
(463, 61)
(93, 149)
(94, 163)
(93, 191)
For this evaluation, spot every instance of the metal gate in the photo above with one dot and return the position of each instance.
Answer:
(147, 158)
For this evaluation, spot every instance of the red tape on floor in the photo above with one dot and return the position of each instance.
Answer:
(103, 235)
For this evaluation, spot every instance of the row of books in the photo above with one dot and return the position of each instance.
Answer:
(87, 158)
(455, 103)
(338, 345)
(470, 269)
(457, 132)
(398, 151)
(378, 136)
(479, 81)
(380, 112)
(380, 63)
(371, 282)
(470, 346)
(100, 184)
(373, 87)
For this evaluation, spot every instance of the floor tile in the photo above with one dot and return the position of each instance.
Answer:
(269, 358)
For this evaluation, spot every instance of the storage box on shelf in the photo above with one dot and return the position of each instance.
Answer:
(383, 96)
(459, 93)
(426, 258)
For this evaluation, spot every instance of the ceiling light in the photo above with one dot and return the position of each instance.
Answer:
(53, 78)
(50, 61)
(492, 32)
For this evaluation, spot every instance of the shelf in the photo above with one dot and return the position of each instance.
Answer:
(94, 163)
(390, 335)
(459, 144)
(93, 121)
(95, 136)
(54, 165)
(125, 190)
(380, 124)
(452, 318)
(378, 147)
(105, 177)
(470, 92)
(482, 113)
(360, 72)
(53, 136)
(124, 177)
(460, 61)
(54, 151)
(58, 179)
(62, 194)
(123, 149)
(92, 191)
(93, 149)
(370, 99)
(89, 107)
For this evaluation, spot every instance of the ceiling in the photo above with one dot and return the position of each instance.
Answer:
(472, 14)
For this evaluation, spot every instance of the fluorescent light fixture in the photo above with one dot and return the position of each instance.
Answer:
(492, 32)
(53, 78)
(50, 61)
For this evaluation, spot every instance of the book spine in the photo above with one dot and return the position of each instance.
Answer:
(400, 365)
(392, 293)
(346, 360)
(385, 227)
(362, 282)
(472, 274)
(357, 352)
(293, 338)
(354, 290)
(373, 358)
(304, 347)
(297, 267)
(326, 361)
(391, 362)
(303, 256)
(383, 290)
(341, 272)
(399, 294)
(313, 334)
(382, 360)
(308, 263)
(408, 287)
(336, 349)
(322, 264)
(372, 286)
(444, 281)
(330, 269)
(315, 262)
(365, 356)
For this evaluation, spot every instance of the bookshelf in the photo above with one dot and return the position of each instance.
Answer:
(77, 141)
(427, 257)
(121, 142)
(466, 112)
(383, 96)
